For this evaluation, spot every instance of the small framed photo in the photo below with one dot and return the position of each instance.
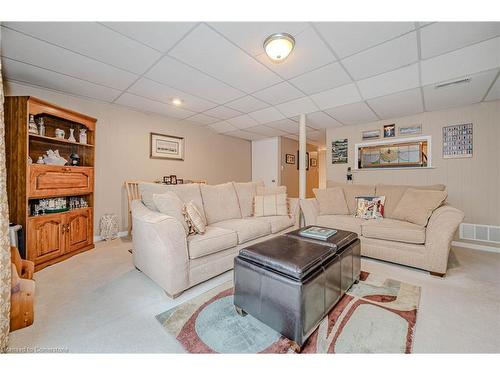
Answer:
(166, 180)
(410, 130)
(371, 134)
(389, 130)
(290, 159)
(166, 147)
(173, 179)
(180, 181)
(314, 162)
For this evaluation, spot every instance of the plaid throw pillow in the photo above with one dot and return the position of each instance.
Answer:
(368, 207)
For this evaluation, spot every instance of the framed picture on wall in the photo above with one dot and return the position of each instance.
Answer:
(457, 141)
(314, 162)
(410, 130)
(370, 134)
(389, 130)
(339, 151)
(166, 147)
(290, 159)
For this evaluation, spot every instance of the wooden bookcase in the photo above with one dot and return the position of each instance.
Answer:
(49, 238)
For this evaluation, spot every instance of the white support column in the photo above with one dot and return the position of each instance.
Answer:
(302, 156)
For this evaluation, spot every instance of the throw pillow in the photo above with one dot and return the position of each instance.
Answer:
(194, 218)
(370, 207)
(170, 204)
(416, 206)
(270, 205)
(331, 201)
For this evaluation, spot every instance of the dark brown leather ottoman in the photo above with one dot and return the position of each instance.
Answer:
(290, 283)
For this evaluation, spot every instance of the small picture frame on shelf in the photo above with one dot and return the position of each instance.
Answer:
(173, 179)
(290, 159)
(166, 180)
(180, 181)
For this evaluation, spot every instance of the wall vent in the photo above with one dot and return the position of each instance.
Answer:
(479, 232)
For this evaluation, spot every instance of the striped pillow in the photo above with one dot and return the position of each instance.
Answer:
(270, 205)
(194, 218)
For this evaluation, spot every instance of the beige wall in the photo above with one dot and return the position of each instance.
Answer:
(290, 173)
(122, 150)
(473, 183)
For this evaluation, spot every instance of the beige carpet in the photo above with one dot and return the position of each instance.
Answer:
(98, 302)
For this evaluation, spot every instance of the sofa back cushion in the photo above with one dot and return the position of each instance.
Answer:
(186, 193)
(246, 192)
(331, 201)
(170, 204)
(394, 193)
(266, 190)
(416, 205)
(220, 202)
(270, 205)
(351, 191)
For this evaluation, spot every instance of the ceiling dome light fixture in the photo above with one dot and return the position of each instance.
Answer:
(278, 46)
(177, 102)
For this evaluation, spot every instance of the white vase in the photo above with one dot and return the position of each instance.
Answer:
(83, 136)
(71, 135)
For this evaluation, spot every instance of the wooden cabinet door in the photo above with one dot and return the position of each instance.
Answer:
(52, 180)
(45, 237)
(79, 229)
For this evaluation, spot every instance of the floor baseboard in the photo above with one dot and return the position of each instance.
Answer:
(473, 246)
(120, 234)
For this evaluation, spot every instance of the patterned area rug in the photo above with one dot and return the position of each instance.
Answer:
(375, 316)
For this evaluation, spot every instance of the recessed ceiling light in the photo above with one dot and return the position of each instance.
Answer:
(176, 101)
(278, 46)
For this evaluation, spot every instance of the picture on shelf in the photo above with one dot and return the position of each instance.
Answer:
(290, 159)
(410, 130)
(370, 134)
(339, 151)
(166, 147)
(389, 130)
(457, 141)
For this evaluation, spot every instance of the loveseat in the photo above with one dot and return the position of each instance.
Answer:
(177, 261)
(422, 246)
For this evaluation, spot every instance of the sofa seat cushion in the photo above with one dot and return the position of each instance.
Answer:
(393, 230)
(212, 241)
(344, 222)
(278, 223)
(247, 229)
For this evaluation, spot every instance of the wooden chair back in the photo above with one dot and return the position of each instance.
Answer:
(132, 194)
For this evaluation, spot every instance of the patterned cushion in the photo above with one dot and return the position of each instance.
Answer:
(193, 218)
(370, 207)
(170, 204)
(270, 205)
(331, 201)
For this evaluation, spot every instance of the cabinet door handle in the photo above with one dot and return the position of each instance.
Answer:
(66, 169)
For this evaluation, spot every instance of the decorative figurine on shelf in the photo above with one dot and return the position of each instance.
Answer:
(74, 160)
(41, 126)
(349, 174)
(40, 160)
(30, 160)
(83, 136)
(32, 129)
(53, 158)
(60, 133)
(71, 137)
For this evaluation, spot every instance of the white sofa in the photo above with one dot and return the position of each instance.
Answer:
(425, 247)
(177, 261)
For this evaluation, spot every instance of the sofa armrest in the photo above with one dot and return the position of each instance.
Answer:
(160, 248)
(294, 204)
(441, 228)
(310, 209)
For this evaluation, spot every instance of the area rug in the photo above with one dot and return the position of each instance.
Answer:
(377, 315)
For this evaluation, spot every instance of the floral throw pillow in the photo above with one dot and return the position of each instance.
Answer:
(368, 207)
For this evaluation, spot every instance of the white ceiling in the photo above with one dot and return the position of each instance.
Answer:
(340, 73)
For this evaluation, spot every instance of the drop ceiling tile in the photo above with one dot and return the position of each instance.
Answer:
(321, 120)
(461, 94)
(200, 118)
(390, 82)
(211, 53)
(222, 113)
(93, 40)
(250, 36)
(314, 135)
(176, 74)
(285, 125)
(18, 71)
(473, 59)
(397, 105)
(327, 77)
(247, 104)
(158, 35)
(147, 105)
(351, 114)
(280, 93)
(494, 93)
(222, 127)
(161, 93)
(245, 135)
(243, 121)
(347, 38)
(33, 51)
(336, 97)
(297, 107)
(266, 130)
(265, 115)
(310, 52)
(442, 37)
(384, 57)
